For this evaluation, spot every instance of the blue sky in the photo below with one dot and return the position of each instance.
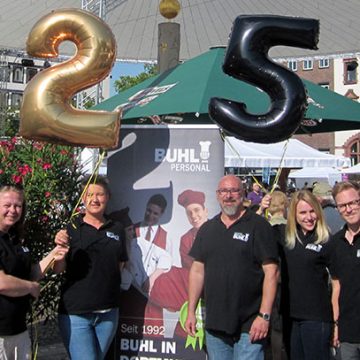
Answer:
(123, 69)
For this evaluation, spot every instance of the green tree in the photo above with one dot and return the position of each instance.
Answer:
(9, 123)
(126, 82)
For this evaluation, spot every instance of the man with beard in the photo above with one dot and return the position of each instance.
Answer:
(235, 263)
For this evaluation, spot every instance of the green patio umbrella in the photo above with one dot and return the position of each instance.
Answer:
(182, 94)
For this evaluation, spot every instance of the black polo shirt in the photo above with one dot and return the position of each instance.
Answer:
(305, 278)
(346, 268)
(92, 277)
(14, 260)
(234, 276)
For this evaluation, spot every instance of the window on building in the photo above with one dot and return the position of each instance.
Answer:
(3, 99)
(350, 71)
(307, 65)
(355, 152)
(324, 63)
(18, 74)
(4, 74)
(30, 73)
(16, 100)
(292, 65)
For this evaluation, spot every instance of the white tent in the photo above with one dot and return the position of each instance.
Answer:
(311, 174)
(240, 153)
(352, 170)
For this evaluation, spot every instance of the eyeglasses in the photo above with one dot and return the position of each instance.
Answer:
(224, 192)
(351, 204)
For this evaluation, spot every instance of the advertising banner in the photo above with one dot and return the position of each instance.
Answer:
(164, 180)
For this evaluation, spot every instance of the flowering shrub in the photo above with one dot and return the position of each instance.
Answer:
(50, 175)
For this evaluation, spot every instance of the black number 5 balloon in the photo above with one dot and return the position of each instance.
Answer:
(46, 111)
(246, 59)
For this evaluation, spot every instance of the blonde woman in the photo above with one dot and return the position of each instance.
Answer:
(278, 208)
(306, 252)
(18, 275)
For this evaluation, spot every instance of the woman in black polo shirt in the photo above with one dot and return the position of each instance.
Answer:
(88, 310)
(305, 280)
(18, 276)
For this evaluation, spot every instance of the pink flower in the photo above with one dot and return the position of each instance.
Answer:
(63, 152)
(17, 179)
(47, 194)
(44, 218)
(1, 171)
(38, 146)
(23, 170)
(46, 166)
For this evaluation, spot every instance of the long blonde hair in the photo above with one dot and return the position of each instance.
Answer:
(321, 228)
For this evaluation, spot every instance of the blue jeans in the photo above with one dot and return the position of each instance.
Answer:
(221, 347)
(310, 340)
(88, 336)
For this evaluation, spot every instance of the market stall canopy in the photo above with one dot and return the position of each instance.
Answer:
(288, 154)
(182, 94)
(311, 174)
(352, 170)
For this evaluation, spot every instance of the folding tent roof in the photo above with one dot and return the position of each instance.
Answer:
(240, 153)
(312, 174)
(352, 170)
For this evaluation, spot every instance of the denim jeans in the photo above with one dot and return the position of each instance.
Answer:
(227, 348)
(310, 340)
(88, 336)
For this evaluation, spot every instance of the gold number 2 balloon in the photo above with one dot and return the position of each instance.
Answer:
(46, 113)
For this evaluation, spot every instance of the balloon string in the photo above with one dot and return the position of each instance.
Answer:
(278, 173)
(91, 179)
(228, 143)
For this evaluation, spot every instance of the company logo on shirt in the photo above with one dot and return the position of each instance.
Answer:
(111, 235)
(241, 236)
(314, 247)
(186, 159)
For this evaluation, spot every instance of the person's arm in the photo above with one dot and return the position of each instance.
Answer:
(61, 239)
(15, 287)
(260, 327)
(196, 284)
(335, 306)
(56, 255)
(152, 278)
(163, 265)
(264, 204)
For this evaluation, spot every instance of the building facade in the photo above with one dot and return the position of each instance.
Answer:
(338, 73)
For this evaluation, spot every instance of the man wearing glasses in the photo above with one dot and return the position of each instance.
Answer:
(345, 271)
(235, 262)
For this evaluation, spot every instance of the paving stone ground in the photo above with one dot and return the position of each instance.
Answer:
(50, 345)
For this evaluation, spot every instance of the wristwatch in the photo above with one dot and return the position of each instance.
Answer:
(265, 316)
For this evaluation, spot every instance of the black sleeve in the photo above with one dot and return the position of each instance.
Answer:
(266, 248)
